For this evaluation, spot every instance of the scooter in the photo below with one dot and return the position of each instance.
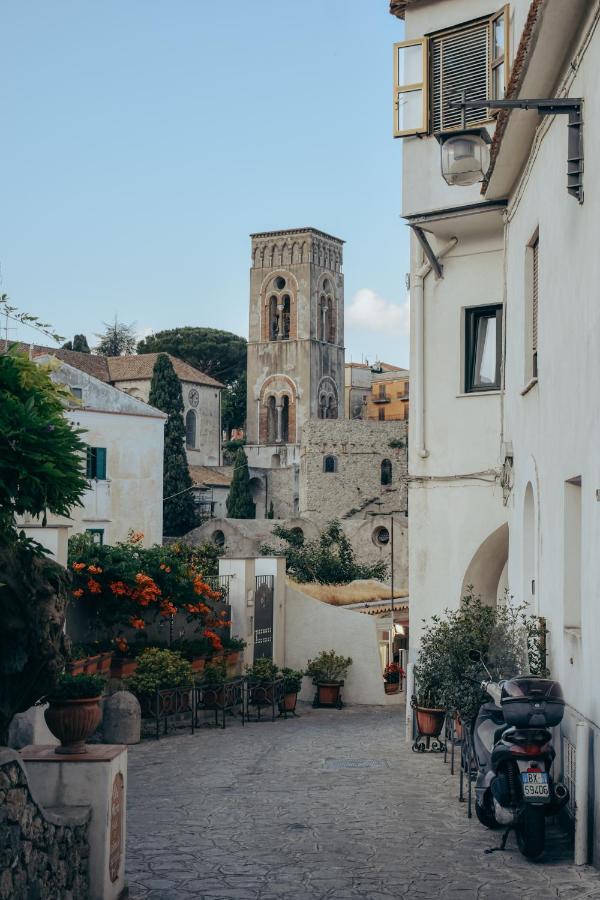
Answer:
(514, 754)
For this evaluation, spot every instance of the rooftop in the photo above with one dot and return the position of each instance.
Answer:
(398, 7)
(211, 476)
(289, 231)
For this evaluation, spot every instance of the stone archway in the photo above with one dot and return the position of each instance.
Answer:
(485, 571)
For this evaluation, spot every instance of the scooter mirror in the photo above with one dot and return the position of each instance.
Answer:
(475, 655)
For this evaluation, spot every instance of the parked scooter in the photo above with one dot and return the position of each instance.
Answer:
(514, 753)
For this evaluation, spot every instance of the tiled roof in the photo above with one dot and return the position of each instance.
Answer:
(85, 362)
(398, 7)
(141, 366)
(211, 476)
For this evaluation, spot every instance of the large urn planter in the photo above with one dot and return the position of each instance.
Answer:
(288, 704)
(121, 666)
(329, 694)
(430, 721)
(73, 722)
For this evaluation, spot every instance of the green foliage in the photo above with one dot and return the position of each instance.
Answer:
(292, 680)
(179, 513)
(77, 687)
(159, 669)
(193, 649)
(215, 675)
(397, 443)
(233, 404)
(117, 339)
(11, 312)
(40, 453)
(220, 354)
(230, 449)
(328, 667)
(506, 635)
(240, 504)
(234, 643)
(263, 670)
(79, 344)
(330, 559)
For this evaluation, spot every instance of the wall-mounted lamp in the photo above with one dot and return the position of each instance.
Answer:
(465, 154)
(399, 629)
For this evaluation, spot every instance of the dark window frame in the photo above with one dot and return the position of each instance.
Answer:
(473, 315)
(330, 464)
(95, 464)
(96, 533)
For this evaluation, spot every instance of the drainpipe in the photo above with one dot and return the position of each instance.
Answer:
(582, 755)
(417, 299)
(410, 689)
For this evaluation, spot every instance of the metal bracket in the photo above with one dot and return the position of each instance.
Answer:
(428, 251)
(553, 106)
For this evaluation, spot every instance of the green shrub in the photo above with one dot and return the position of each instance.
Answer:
(292, 680)
(234, 643)
(215, 675)
(77, 687)
(328, 666)
(159, 669)
(262, 670)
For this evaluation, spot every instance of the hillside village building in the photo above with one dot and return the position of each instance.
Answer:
(504, 331)
(124, 465)
(362, 392)
(388, 399)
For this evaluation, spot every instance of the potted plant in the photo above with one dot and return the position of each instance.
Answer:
(213, 680)
(233, 647)
(160, 670)
(428, 702)
(292, 682)
(328, 671)
(261, 678)
(76, 663)
(391, 676)
(123, 662)
(73, 711)
(197, 651)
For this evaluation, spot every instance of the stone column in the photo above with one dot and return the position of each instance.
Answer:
(280, 322)
(279, 408)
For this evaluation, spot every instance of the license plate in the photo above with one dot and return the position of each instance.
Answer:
(535, 785)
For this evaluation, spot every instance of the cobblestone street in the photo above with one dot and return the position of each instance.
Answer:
(272, 811)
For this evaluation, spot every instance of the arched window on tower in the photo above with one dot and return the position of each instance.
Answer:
(285, 419)
(190, 429)
(271, 420)
(322, 406)
(386, 471)
(273, 318)
(332, 412)
(332, 323)
(285, 330)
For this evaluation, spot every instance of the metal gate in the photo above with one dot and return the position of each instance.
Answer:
(263, 617)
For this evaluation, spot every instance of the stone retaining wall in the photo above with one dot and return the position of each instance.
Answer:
(43, 852)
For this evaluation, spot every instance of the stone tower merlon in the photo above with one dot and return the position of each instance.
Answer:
(296, 339)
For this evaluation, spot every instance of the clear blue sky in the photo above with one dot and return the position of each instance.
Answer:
(143, 140)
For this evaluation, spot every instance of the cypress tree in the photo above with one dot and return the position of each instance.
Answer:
(239, 501)
(179, 514)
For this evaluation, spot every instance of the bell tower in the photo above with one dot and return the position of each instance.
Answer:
(296, 340)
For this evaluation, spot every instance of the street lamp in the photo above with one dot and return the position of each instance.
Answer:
(465, 153)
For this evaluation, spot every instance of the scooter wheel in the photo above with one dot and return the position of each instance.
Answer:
(531, 831)
(485, 812)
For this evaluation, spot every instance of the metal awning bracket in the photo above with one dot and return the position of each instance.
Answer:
(428, 250)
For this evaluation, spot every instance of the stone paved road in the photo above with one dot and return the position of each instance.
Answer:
(264, 813)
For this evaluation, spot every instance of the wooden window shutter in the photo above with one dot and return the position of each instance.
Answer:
(101, 463)
(534, 304)
(459, 62)
(89, 462)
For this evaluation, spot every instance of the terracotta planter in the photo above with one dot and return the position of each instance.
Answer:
(75, 666)
(217, 659)
(72, 722)
(430, 721)
(198, 663)
(91, 664)
(288, 704)
(105, 661)
(121, 666)
(329, 694)
(391, 687)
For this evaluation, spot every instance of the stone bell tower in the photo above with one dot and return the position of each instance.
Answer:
(296, 341)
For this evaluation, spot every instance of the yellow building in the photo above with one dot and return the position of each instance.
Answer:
(388, 399)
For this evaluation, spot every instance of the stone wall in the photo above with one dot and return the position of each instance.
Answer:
(354, 488)
(43, 852)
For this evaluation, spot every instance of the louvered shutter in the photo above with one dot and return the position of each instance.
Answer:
(459, 62)
(101, 463)
(534, 306)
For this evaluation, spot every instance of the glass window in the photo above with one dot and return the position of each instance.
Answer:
(329, 464)
(483, 348)
(190, 429)
(96, 463)
(410, 87)
(96, 534)
(386, 471)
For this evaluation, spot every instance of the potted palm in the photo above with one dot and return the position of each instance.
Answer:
(292, 682)
(328, 671)
(73, 711)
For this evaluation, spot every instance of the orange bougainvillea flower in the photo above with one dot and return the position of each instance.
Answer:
(95, 570)
(78, 593)
(135, 537)
(213, 637)
(200, 587)
(94, 587)
(136, 622)
(78, 566)
(121, 644)
(167, 608)
(119, 588)
(165, 567)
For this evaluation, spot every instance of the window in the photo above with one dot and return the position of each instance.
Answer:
(190, 429)
(77, 392)
(483, 348)
(330, 464)
(534, 306)
(572, 551)
(96, 534)
(382, 394)
(381, 536)
(430, 71)
(386, 471)
(96, 463)
(218, 538)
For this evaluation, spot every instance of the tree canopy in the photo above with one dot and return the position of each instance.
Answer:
(179, 514)
(240, 504)
(220, 354)
(117, 339)
(79, 344)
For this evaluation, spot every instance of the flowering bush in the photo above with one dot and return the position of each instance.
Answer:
(393, 673)
(131, 586)
(159, 669)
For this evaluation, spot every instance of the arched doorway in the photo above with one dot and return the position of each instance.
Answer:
(486, 568)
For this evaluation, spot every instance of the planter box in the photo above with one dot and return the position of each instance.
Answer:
(288, 704)
(105, 661)
(76, 666)
(121, 666)
(91, 664)
(328, 694)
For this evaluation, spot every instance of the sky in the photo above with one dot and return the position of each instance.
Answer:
(144, 140)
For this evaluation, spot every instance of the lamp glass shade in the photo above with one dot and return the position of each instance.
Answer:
(465, 159)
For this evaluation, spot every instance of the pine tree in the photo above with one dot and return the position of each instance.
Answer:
(80, 344)
(118, 339)
(239, 502)
(179, 514)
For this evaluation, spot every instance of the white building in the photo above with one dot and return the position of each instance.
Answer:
(124, 464)
(505, 369)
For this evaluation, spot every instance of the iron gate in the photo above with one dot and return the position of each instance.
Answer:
(263, 617)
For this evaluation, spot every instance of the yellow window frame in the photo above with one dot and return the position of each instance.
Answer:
(422, 86)
(504, 59)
